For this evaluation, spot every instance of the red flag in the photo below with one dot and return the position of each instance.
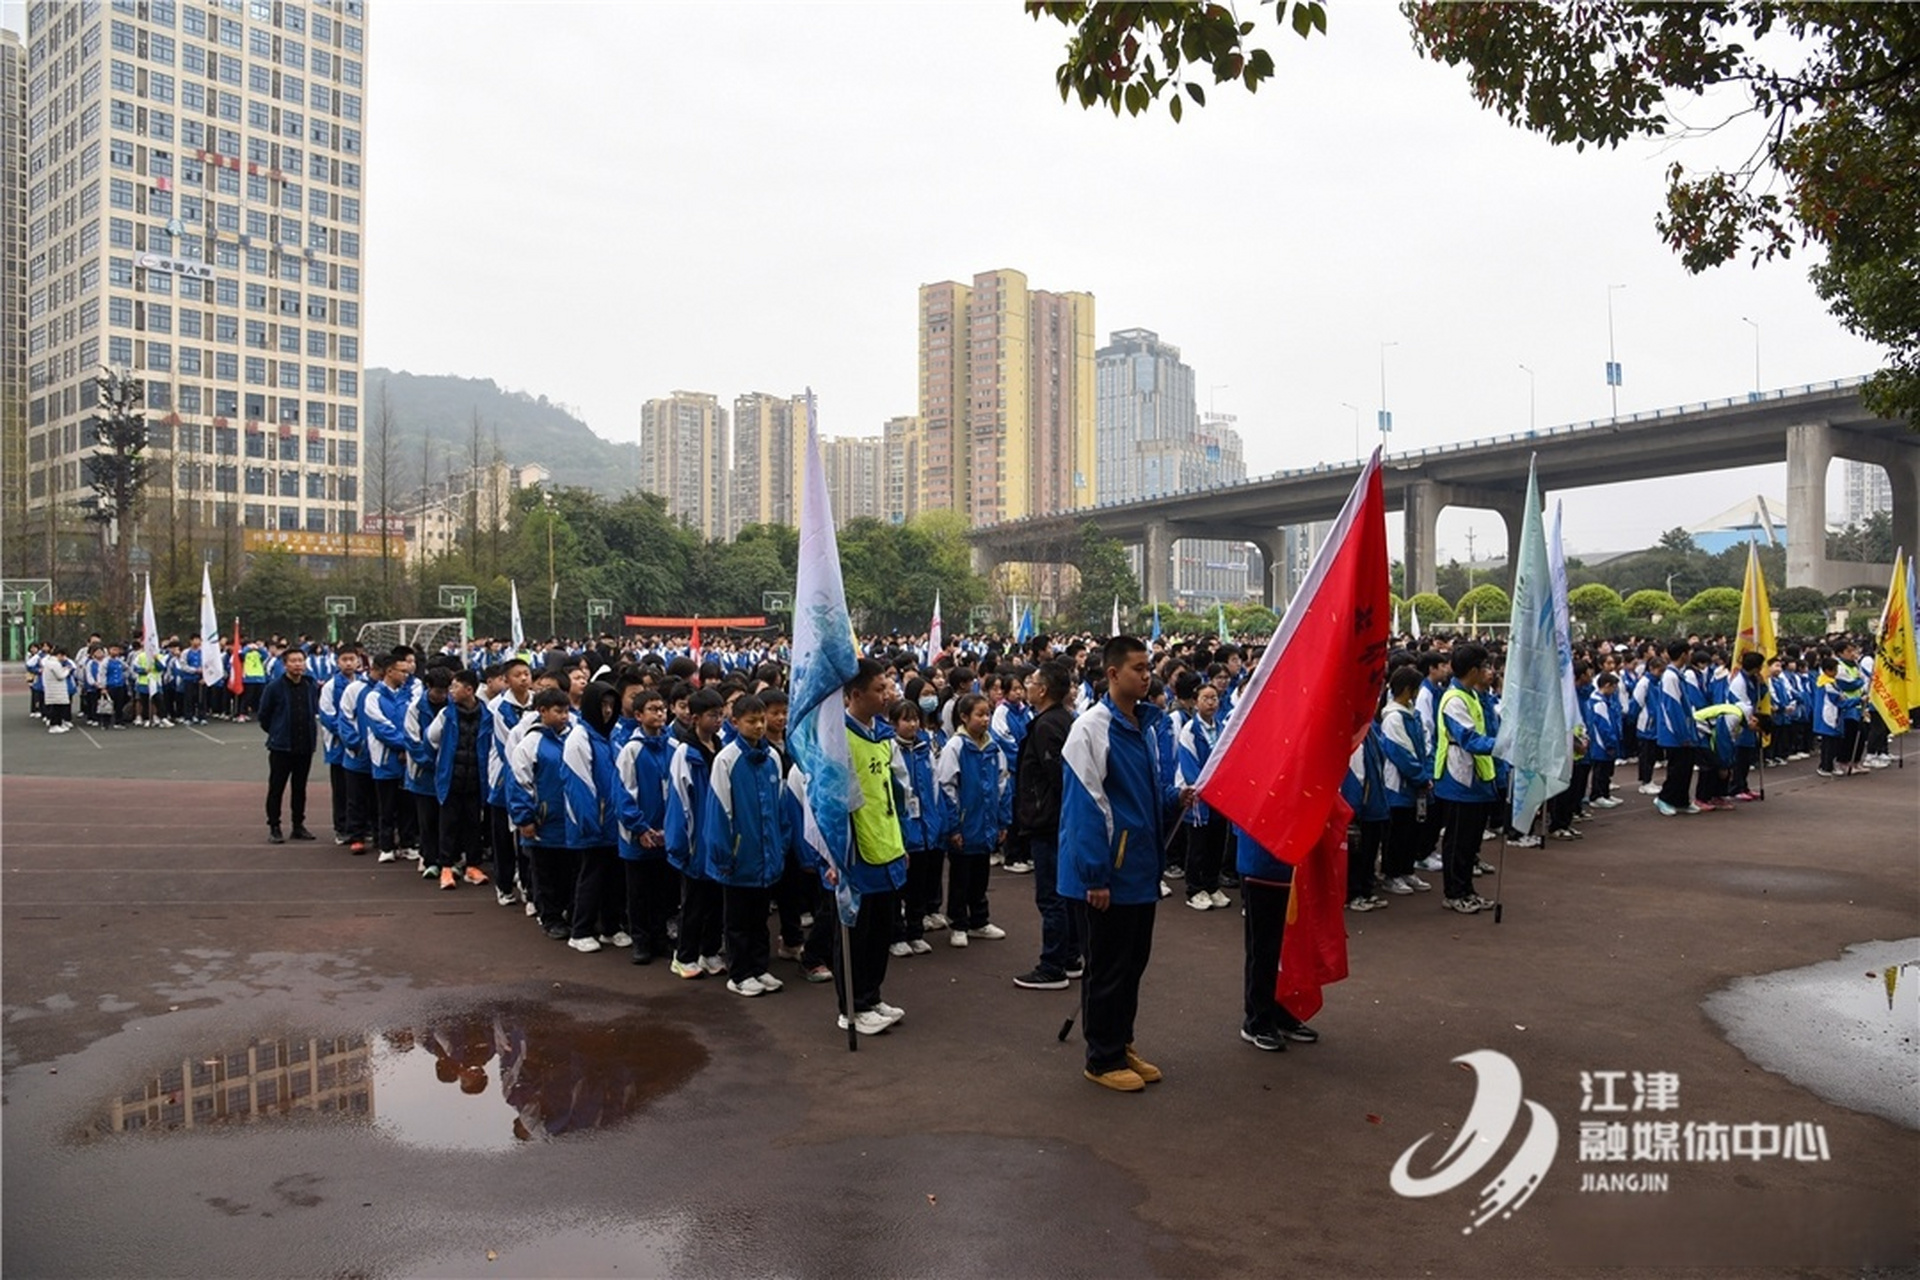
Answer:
(1313, 949)
(1277, 769)
(696, 649)
(1278, 766)
(236, 678)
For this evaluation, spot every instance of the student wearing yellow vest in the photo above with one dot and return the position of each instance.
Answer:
(1463, 772)
(878, 867)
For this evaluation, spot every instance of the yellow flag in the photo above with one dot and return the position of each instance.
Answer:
(1756, 616)
(1889, 690)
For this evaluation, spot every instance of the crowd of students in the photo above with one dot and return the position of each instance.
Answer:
(641, 797)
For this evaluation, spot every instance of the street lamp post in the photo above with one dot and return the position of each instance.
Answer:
(1386, 418)
(1756, 355)
(553, 583)
(1613, 364)
(1356, 427)
(1532, 417)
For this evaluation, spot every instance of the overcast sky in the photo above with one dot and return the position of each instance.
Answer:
(602, 203)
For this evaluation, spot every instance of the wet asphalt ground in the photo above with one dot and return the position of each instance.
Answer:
(224, 1058)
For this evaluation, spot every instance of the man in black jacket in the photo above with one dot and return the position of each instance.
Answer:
(1036, 824)
(289, 714)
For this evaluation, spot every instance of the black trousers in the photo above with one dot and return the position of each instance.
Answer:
(388, 799)
(967, 877)
(1266, 928)
(871, 935)
(553, 881)
(1403, 831)
(1466, 825)
(702, 922)
(790, 897)
(506, 849)
(1649, 752)
(1674, 790)
(426, 810)
(362, 808)
(745, 909)
(283, 768)
(652, 890)
(1119, 944)
(596, 908)
(1206, 846)
(1600, 786)
(820, 946)
(460, 829)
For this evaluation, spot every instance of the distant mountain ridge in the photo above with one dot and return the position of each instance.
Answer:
(438, 410)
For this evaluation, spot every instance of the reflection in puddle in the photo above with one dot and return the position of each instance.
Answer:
(480, 1081)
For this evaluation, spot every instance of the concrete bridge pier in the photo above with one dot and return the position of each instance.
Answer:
(1811, 449)
(1156, 561)
(1272, 546)
(1426, 499)
(985, 560)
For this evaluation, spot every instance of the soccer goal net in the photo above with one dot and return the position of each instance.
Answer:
(426, 636)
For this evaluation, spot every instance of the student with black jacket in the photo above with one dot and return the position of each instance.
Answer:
(1036, 826)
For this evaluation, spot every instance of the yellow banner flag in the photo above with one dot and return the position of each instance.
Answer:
(1889, 689)
(1756, 616)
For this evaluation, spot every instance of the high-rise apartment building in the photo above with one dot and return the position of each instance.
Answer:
(683, 458)
(902, 476)
(194, 218)
(769, 446)
(13, 307)
(853, 467)
(1866, 489)
(1152, 442)
(1006, 398)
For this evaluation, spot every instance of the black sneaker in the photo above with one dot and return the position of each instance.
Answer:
(1265, 1041)
(301, 833)
(1302, 1033)
(274, 836)
(1042, 979)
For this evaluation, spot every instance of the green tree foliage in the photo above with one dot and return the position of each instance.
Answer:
(1716, 606)
(1486, 602)
(1104, 574)
(277, 596)
(1433, 610)
(1869, 541)
(1649, 603)
(1835, 94)
(1590, 603)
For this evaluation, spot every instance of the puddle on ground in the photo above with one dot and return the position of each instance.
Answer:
(1841, 1028)
(487, 1080)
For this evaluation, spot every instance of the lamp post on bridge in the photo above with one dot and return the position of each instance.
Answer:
(1613, 365)
(1386, 417)
(1356, 427)
(1532, 416)
(1756, 356)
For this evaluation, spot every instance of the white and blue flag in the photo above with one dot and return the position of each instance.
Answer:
(213, 668)
(1562, 628)
(1534, 738)
(824, 659)
(519, 629)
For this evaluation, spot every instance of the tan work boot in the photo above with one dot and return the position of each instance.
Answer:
(1121, 1079)
(1147, 1072)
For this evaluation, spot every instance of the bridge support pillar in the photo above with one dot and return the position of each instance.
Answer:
(1272, 547)
(1424, 500)
(1156, 562)
(984, 560)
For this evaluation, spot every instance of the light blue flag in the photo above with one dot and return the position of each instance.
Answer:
(824, 659)
(1222, 616)
(1024, 632)
(1534, 738)
(1562, 626)
(1154, 635)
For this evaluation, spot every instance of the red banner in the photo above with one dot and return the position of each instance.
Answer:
(637, 623)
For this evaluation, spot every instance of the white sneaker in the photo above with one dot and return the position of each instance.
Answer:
(1220, 899)
(768, 982)
(1019, 868)
(958, 938)
(1416, 883)
(892, 1013)
(620, 938)
(899, 949)
(1166, 890)
(746, 987)
(1360, 904)
(933, 922)
(713, 965)
(411, 855)
(531, 909)
(505, 897)
(1200, 900)
(996, 858)
(1431, 862)
(388, 855)
(1649, 788)
(1399, 885)
(920, 946)
(869, 1023)
(991, 932)
(1525, 842)
(585, 946)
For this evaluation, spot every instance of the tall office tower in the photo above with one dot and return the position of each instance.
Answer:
(852, 464)
(18, 551)
(1152, 443)
(769, 446)
(1006, 398)
(194, 219)
(943, 396)
(683, 458)
(1866, 490)
(902, 483)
